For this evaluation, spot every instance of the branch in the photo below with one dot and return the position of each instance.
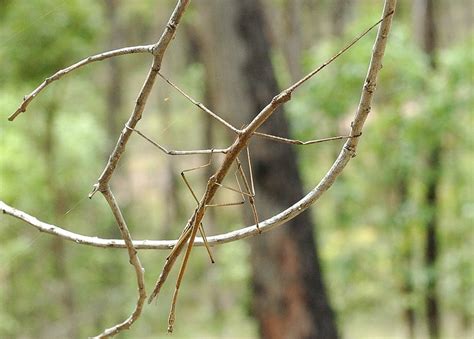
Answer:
(59, 74)
(134, 261)
(158, 51)
(94, 241)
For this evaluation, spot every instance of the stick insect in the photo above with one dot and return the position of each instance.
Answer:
(249, 187)
(247, 192)
(231, 153)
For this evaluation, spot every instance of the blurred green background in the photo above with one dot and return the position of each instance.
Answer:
(372, 224)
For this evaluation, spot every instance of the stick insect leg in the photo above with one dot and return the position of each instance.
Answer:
(250, 192)
(299, 142)
(233, 190)
(200, 105)
(249, 188)
(201, 227)
(182, 269)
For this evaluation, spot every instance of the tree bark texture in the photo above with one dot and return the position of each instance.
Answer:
(431, 249)
(428, 35)
(425, 29)
(289, 296)
(407, 287)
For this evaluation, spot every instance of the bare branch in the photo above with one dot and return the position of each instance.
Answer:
(94, 241)
(134, 261)
(59, 74)
(158, 51)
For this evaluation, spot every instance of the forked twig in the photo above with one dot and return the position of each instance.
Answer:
(158, 51)
(134, 261)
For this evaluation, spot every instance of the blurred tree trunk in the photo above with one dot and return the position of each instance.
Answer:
(289, 296)
(407, 288)
(425, 17)
(340, 10)
(431, 250)
(293, 37)
(113, 113)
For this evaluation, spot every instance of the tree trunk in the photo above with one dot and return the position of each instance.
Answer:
(431, 251)
(406, 257)
(339, 15)
(425, 18)
(293, 38)
(289, 296)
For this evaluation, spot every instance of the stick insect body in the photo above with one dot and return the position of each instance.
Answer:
(241, 142)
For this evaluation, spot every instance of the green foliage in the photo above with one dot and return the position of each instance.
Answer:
(59, 42)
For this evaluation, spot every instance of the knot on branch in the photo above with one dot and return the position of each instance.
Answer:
(369, 86)
(98, 187)
(351, 149)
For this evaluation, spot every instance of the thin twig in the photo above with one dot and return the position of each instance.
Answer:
(134, 261)
(158, 51)
(59, 74)
(94, 241)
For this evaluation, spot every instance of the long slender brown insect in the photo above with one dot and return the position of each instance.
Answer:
(242, 140)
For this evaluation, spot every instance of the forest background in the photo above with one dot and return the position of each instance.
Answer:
(394, 233)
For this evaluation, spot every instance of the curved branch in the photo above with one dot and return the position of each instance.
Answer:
(59, 74)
